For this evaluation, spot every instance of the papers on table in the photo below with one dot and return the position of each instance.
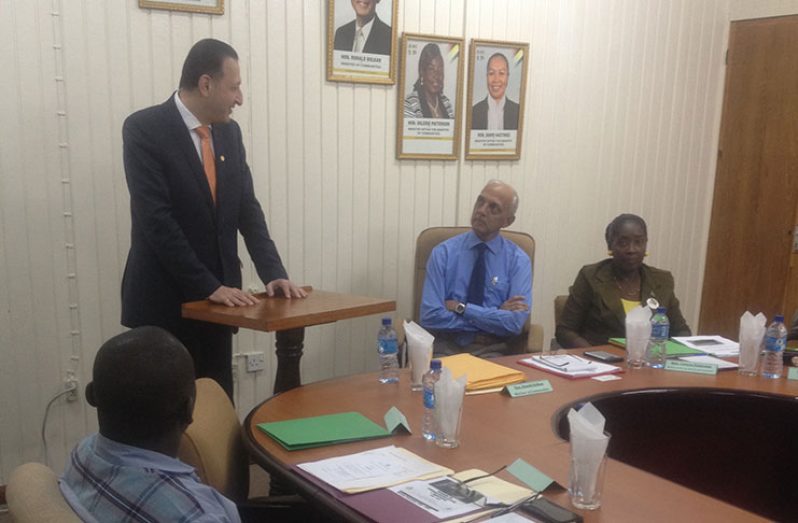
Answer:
(441, 497)
(373, 469)
(570, 365)
(446, 498)
(482, 375)
(715, 345)
(512, 517)
(712, 360)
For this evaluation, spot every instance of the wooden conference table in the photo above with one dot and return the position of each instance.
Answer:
(724, 441)
(288, 319)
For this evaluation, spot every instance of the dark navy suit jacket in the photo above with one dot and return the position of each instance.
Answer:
(379, 40)
(182, 246)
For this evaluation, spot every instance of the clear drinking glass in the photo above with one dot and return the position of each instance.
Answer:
(419, 364)
(586, 482)
(636, 352)
(448, 419)
(749, 357)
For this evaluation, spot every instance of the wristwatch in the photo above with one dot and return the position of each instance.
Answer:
(460, 308)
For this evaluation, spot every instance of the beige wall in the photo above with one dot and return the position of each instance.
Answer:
(743, 9)
(622, 112)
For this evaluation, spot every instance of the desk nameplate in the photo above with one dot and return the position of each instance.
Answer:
(691, 366)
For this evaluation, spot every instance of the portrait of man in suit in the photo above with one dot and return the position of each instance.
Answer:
(496, 111)
(366, 33)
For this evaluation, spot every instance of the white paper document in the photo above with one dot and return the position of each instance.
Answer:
(714, 345)
(570, 365)
(373, 469)
(442, 497)
(512, 517)
(712, 360)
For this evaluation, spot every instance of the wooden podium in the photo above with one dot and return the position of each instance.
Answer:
(288, 319)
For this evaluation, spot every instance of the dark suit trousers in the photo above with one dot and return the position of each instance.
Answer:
(211, 348)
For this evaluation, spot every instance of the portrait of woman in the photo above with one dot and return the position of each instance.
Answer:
(604, 292)
(427, 99)
(430, 96)
(496, 99)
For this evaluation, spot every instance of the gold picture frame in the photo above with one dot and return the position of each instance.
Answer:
(432, 66)
(211, 7)
(371, 61)
(497, 74)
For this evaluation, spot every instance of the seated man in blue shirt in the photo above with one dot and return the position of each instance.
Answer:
(478, 290)
(144, 392)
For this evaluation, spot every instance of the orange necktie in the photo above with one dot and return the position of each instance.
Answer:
(208, 161)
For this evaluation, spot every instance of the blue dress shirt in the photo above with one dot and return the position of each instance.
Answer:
(508, 273)
(109, 481)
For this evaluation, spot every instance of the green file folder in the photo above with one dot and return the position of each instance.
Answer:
(318, 431)
(674, 349)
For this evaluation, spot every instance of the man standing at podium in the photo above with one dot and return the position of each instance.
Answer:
(191, 192)
(478, 289)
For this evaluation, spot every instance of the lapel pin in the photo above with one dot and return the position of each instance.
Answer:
(221, 157)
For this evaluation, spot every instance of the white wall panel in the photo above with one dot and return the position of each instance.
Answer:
(744, 9)
(622, 114)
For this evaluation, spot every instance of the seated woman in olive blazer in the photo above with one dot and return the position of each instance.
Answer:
(605, 291)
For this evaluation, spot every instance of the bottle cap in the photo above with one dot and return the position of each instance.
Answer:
(435, 364)
(779, 318)
(386, 320)
(661, 310)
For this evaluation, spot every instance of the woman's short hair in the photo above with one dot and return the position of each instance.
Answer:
(615, 225)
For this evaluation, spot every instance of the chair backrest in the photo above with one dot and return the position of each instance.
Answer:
(33, 496)
(559, 306)
(429, 238)
(213, 443)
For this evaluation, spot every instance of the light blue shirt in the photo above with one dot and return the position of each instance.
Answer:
(109, 481)
(508, 272)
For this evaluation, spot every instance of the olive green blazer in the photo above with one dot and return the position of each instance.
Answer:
(594, 310)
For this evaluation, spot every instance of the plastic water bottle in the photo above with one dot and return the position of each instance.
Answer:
(428, 383)
(388, 350)
(773, 345)
(657, 349)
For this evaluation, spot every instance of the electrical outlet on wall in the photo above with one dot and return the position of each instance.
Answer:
(71, 384)
(256, 361)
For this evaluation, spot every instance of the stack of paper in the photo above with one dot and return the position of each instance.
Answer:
(446, 497)
(712, 360)
(715, 345)
(482, 375)
(373, 469)
(570, 365)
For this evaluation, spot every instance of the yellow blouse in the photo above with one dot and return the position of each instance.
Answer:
(629, 305)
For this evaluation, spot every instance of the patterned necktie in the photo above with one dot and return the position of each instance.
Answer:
(476, 287)
(208, 162)
(358, 41)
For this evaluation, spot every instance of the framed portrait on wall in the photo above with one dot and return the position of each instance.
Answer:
(361, 41)
(496, 94)
(429, 101)
(213, 7)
